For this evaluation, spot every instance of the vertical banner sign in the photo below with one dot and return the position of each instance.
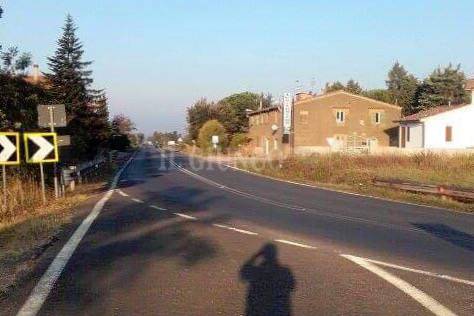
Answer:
(287, 109)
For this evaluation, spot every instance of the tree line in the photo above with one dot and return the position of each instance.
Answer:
(444, 86)
(69, 82)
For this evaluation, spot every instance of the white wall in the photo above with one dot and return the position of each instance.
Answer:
(416, 135)
(462, 122)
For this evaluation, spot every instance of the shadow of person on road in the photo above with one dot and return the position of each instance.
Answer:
(269, 284)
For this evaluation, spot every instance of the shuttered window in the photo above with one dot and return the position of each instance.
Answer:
(449, 133)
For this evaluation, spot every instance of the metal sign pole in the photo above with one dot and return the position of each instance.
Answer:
(4, 177)
(55, 171)
(43, 190)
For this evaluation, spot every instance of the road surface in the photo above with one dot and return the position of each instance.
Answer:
(182, 236)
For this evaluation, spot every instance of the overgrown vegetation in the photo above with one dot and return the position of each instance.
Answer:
(357, 172)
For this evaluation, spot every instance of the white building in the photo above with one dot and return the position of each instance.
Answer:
(442, 127)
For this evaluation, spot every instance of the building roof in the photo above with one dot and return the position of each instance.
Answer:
(330, 94)
(431, 112)
(469, 84)
(264, 110)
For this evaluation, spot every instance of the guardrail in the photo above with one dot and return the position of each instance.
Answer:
(440, 190)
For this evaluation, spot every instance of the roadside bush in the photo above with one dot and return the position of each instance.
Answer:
(238, 140)
(210, 128)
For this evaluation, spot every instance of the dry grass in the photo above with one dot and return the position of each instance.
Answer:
(28, 226)
(356, 173)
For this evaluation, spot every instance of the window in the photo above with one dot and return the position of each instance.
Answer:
(340, 116)
(449, 134)
(377, 118)
(304, 117)
(408, 133)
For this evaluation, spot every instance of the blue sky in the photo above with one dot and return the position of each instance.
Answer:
(154, 58)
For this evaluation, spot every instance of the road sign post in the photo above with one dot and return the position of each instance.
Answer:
(52, 115)
(41, 148)
(9, 155)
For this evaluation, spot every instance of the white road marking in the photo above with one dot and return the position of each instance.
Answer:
(432, 274)
(122, 193)
(421, 297)
(235, 229)
(158, 208)
(294, 243)
(41, 291)
(185, 216)
(137, 200)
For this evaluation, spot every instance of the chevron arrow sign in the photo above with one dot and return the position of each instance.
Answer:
(9, 148)
(41, 147)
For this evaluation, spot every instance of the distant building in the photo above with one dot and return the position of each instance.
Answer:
(265, 131)
(442, 127)
(343, 121)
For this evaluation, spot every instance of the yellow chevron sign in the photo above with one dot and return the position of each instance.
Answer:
(9, 148)
(41, 147)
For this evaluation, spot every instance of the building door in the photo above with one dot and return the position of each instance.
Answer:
(267, 146)
(403, 137)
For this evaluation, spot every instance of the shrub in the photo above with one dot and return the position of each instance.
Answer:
(238, 140)
(210, 128)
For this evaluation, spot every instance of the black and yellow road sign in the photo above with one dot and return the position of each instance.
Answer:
(41, 147)
(9, 148)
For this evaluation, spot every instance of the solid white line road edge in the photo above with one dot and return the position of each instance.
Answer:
(432, 274)
(122, 193)
(137, 200)
(421, 297)
(342, 191)
(288, 242)
(185, 216)
(243, 231)
(45, 284)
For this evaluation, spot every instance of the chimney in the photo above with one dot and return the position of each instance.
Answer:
(35, 73)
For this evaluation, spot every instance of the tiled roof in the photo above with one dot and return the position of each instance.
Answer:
(470, 84)
(430, 112)
(270, 109)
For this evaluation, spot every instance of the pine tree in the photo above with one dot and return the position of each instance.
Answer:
(442, 87)
(402, 87)
(335, 86)
(69, 82)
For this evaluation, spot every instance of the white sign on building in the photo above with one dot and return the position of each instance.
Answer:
(287, 109)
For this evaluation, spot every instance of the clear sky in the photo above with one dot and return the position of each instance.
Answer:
(154, 58)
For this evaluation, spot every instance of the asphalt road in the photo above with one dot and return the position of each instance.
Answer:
(183, 236)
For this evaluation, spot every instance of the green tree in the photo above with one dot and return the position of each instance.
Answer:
(353, 86)
(198, 114)
(379, 94)
(402, 87)
(335, 86)
(209, 129)
(69, 82)
(238, 140)
(232, 111)
(443, 87)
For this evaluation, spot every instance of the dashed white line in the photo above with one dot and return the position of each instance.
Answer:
(235, 229)
(158, 208)
(185, 216)
(122, 193)
(288, 242)
(432, 274)
(421, 297)
(137, 200)
(45, 284)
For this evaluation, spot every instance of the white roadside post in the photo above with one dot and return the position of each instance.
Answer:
(9, 155)
(215, 141)
(46, 152)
